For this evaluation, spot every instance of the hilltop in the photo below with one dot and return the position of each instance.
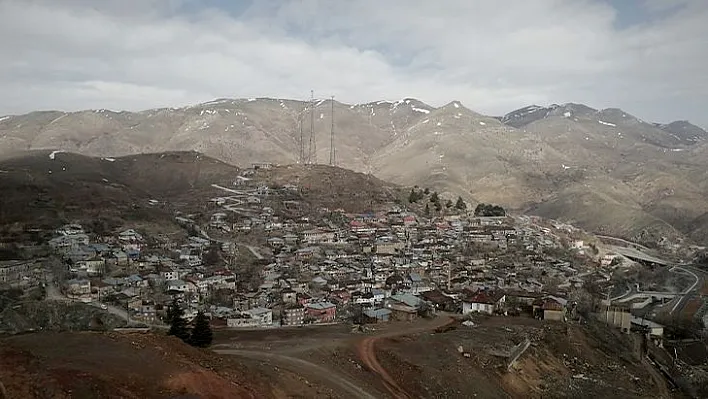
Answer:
(43, 188)
(606, 170)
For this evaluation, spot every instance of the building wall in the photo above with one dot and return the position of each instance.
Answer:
(469, 307)
(618, 318)
(556, 315)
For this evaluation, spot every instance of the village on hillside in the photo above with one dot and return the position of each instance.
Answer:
(261, 257)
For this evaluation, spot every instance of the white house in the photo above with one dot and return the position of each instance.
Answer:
(177, 285)
(483, 301)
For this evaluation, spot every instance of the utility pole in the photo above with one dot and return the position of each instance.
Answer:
(331, 139)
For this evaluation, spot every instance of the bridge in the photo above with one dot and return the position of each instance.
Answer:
(639, 256)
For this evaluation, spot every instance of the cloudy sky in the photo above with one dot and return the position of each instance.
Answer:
(648, 57)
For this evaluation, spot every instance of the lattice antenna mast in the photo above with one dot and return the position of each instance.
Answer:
(302, 137)
(332, 153)
(313, 139)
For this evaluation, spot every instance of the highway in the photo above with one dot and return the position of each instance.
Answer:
(683, 298)
(693, 291)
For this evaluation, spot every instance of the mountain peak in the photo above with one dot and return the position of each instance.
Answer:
(685, 131)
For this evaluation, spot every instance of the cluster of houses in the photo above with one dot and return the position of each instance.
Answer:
(329, 265)
(325, 265)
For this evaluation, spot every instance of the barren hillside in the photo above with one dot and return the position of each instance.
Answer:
(45, 188)
(114, 365)
(605, 169)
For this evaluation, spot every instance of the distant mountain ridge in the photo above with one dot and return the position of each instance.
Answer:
(603, 169)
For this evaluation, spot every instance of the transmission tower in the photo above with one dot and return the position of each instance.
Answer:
(332, 154)
(313, 141)
(302, 137)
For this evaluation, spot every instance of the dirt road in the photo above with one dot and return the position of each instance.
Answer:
(304, 368)
(366, 349)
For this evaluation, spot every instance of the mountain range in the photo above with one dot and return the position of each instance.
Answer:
(604, 170)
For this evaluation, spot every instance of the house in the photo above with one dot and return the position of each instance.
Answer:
(177, 285)
(288, 296)
(243, 320)
(121, 258)
(293, 315)
(263, 316)
(70, 230)
(321, 312)
(483, 301)
(550, 308)
(402, 312)
(388, 247)
(63, 244)
(380, 315)
(654, 329)
(130, 235)
(92, 267)
(405, 300)
(617, 316)
(317, 236)
(170, 275)
(439, 300)
(276, 242)
(16, 272)
(79, 289)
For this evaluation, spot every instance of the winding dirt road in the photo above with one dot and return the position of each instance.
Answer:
(305, 368)
(366, 349)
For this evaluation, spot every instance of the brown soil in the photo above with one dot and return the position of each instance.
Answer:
(113, 365)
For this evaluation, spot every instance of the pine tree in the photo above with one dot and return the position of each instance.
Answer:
(448, 204)
(434, 198)
(178, 326)
(201, 332)
(413, 197)
(461, 205)
(438, 207)
(427, 210)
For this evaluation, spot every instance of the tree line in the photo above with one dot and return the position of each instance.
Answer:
(420, 194)
(489, 210)
(200, 334)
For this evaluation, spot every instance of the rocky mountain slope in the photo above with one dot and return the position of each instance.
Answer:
(603, 169)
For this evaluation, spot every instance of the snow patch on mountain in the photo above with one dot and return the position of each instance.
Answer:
(54, 153)
(607, 123)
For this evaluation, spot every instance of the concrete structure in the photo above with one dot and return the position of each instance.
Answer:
(321, 312)
(654, 329)
(294, 315)
(618, 317)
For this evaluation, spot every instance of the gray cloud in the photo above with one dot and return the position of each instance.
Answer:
(493, 56)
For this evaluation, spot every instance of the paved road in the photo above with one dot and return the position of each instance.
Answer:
(634, 244)
(303, 367)
(693, 291)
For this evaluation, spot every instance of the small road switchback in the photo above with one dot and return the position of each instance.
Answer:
(366, 349)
